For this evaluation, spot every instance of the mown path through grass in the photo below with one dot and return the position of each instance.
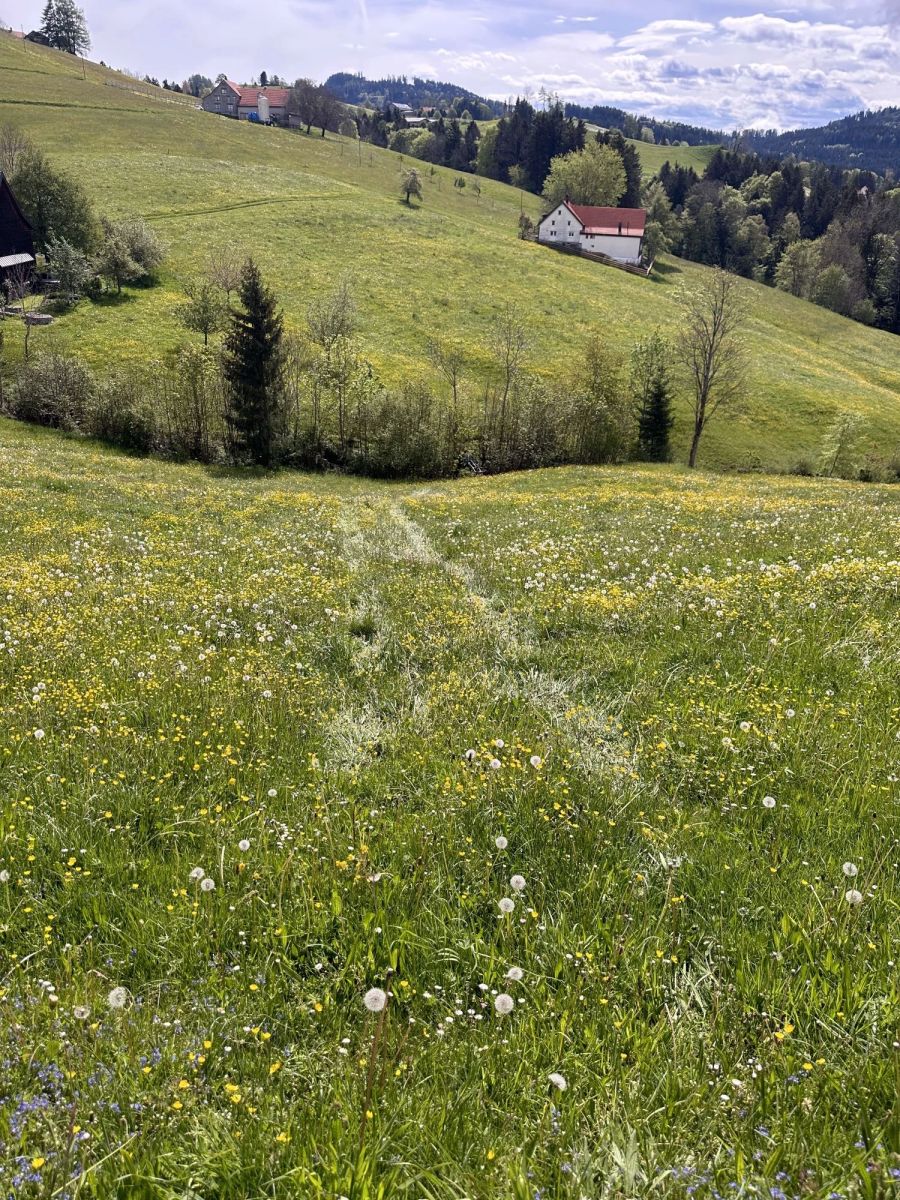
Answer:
(235, 796)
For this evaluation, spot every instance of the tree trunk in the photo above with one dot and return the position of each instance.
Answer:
(695, 446)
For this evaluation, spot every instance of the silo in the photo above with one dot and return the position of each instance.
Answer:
(262, 107)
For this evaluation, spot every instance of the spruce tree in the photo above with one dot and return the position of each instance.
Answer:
(652, 394)
(72, 31)
(253, 370)
(50, 23)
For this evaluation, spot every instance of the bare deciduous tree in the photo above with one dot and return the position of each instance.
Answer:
(225, 270)
(13, 144)
(711, 348)
(18, 285)
(333, 316)
(450, 360)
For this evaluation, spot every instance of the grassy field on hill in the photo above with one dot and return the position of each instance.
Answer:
(311, 210)
(574, 772)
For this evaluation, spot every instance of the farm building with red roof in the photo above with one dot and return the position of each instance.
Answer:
(618, 233)
(248, 103)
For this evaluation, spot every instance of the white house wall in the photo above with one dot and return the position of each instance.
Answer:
(560, 227)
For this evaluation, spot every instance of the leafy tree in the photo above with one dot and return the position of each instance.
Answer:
(797, 269)
(204, 310)
(833, 290)
(651, 391)
(53, 202)
(263, 79)
(662, 226)
(333, 316)
(411, 184)
(711, 348)
(840, 453)
(71, 267)
(594, 175)
(253, 369)
(113, 261)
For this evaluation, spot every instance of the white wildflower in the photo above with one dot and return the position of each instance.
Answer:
(558, 1081)
(117, 998)
(517, 883)
(853, 897)
(769, 801)
(506, 905)
(515, 974)
(500, 842)
(851, 870)
(208, 885)
(243, 845)
(504, 1004)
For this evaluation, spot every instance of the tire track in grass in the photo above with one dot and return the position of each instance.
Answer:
(584, 728)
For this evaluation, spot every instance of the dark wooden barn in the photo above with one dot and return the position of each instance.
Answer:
(16, 242)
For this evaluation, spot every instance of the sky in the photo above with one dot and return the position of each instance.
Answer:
(721, 63)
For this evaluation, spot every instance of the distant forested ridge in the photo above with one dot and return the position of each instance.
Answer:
(866, 139)
(665, 132)
(417, 93)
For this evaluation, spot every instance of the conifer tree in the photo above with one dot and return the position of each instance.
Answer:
(254, 368)
(652, 392)
(50, 23)
(71, 28)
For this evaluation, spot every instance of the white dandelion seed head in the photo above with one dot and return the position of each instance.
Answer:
(81, 1012)
(4, 876)
(243, 845)
(504, 1004)
(499, 743)
(506, 905)
(517, 883)
(117, 998)
(535, 760)
(272, 793)
(515, 974)
(207, 885)
(769, 801)
(500, 842)
(38, 735)
(853, 897)
(558, 1080)
(197, 873)
(746, 726)
(469, 755)
(495, 764)
(851, 870)
(375, 999)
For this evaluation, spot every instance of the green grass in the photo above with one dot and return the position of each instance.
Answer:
(653, 157)
(311, 209)
(276, 679)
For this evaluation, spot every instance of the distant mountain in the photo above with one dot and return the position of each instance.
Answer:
(865, 139)
(417, 93)
(870, 140)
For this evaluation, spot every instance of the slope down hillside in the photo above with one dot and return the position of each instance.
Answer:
(312, 209)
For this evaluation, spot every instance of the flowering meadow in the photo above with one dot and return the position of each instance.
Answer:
(522, 839)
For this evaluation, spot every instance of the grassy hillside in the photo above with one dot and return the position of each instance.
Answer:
(678, 695)
(311, 209)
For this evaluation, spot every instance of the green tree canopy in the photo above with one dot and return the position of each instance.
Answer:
(594, 175)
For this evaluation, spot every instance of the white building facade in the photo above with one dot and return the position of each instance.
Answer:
(616, 232)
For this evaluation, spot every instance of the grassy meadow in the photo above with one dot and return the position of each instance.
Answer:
(312, 210)
(589, 777)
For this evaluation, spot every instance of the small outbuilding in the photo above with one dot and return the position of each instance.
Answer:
(16, 239)
(616, 233)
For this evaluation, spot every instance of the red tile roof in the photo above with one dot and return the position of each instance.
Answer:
(249, 96)
(629, 222)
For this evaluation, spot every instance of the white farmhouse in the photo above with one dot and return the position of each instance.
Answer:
(616, 232)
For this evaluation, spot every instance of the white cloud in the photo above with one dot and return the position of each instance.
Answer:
(717, 62)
